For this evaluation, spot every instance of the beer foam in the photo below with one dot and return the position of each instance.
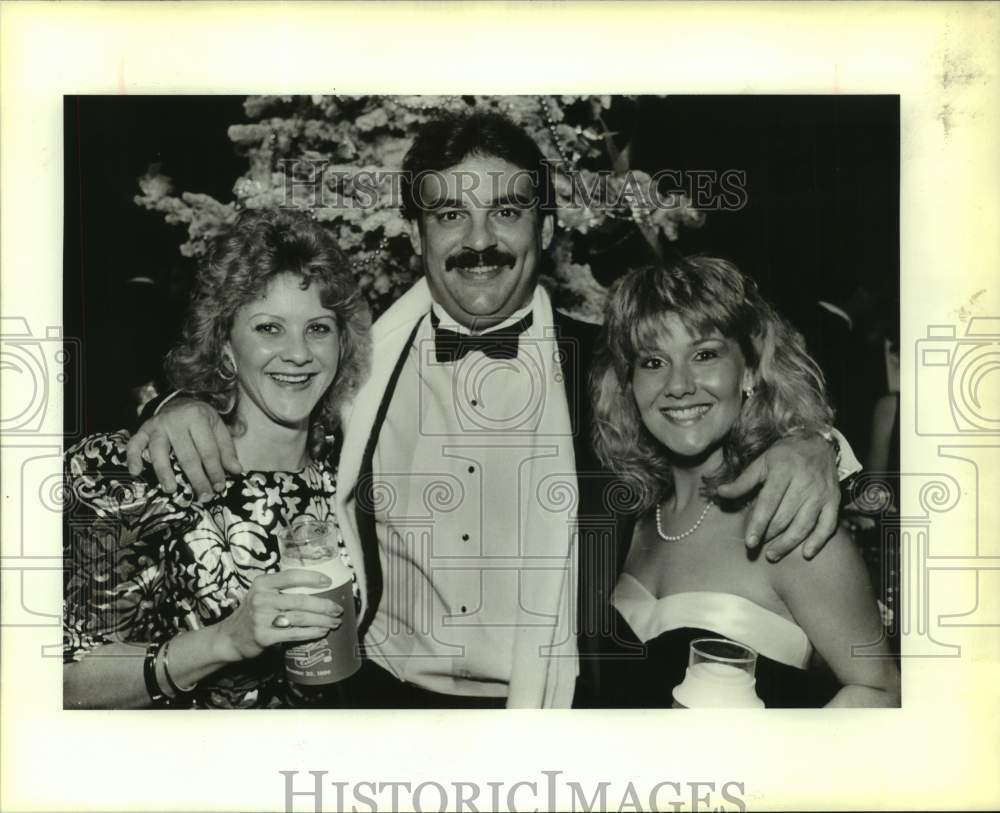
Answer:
(331, 566)
(717, 685)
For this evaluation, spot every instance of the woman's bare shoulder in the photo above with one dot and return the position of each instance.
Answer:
(839, 562)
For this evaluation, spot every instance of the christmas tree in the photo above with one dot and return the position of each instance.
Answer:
(339, 157)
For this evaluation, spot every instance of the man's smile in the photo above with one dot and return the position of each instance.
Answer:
(481, 273)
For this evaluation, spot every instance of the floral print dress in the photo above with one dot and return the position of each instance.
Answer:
(142, 565)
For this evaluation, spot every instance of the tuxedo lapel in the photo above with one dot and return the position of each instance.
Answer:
(576, 345)
(391, 335)
(364, 497)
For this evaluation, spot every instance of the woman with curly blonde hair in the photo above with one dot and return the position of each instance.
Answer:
(243, 263)
(695, 375)
(175, 598)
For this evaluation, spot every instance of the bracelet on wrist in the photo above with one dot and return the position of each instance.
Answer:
(156, 694)
(177, 689)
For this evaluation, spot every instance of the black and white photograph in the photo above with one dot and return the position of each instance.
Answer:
(627, 448)
(234, 394)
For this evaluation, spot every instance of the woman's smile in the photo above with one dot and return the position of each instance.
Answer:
(687, 415)
(293, 380)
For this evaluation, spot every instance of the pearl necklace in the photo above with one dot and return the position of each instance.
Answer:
(688, 532)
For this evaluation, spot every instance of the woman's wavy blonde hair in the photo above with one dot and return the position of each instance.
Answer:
(708, 295)
(261, 245)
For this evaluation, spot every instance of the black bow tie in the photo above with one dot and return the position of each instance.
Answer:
(450, 346)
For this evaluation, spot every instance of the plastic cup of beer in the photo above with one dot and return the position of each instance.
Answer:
(720, 674)
(312, 545)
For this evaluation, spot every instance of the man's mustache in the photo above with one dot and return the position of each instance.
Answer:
(470, 258)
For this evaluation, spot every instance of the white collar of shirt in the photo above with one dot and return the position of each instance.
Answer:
(445, 320)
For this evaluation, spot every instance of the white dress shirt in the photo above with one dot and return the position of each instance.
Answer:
(464, 536)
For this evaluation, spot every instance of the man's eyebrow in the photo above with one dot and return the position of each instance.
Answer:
(514, 199)
(448, 203)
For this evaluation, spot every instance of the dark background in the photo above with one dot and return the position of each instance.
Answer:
(822, 215)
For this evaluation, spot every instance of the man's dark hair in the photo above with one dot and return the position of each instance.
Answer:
(450, 138)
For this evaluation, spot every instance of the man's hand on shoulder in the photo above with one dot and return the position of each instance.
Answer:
(199, 440)
(799, 496)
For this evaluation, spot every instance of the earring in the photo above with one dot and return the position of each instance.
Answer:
(227, 368)
(749, 391)
(230, 404)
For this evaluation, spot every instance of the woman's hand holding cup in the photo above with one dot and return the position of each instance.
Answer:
(266, 616)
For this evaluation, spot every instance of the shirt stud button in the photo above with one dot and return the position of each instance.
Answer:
(465, 537)
(472, 469)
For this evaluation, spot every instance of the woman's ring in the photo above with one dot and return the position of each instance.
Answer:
(281, 621)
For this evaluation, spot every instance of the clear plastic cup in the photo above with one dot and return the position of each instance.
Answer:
(312, 545)
(720, 674)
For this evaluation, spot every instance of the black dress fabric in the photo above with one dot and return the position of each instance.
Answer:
(638, 666)
(644, 675)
